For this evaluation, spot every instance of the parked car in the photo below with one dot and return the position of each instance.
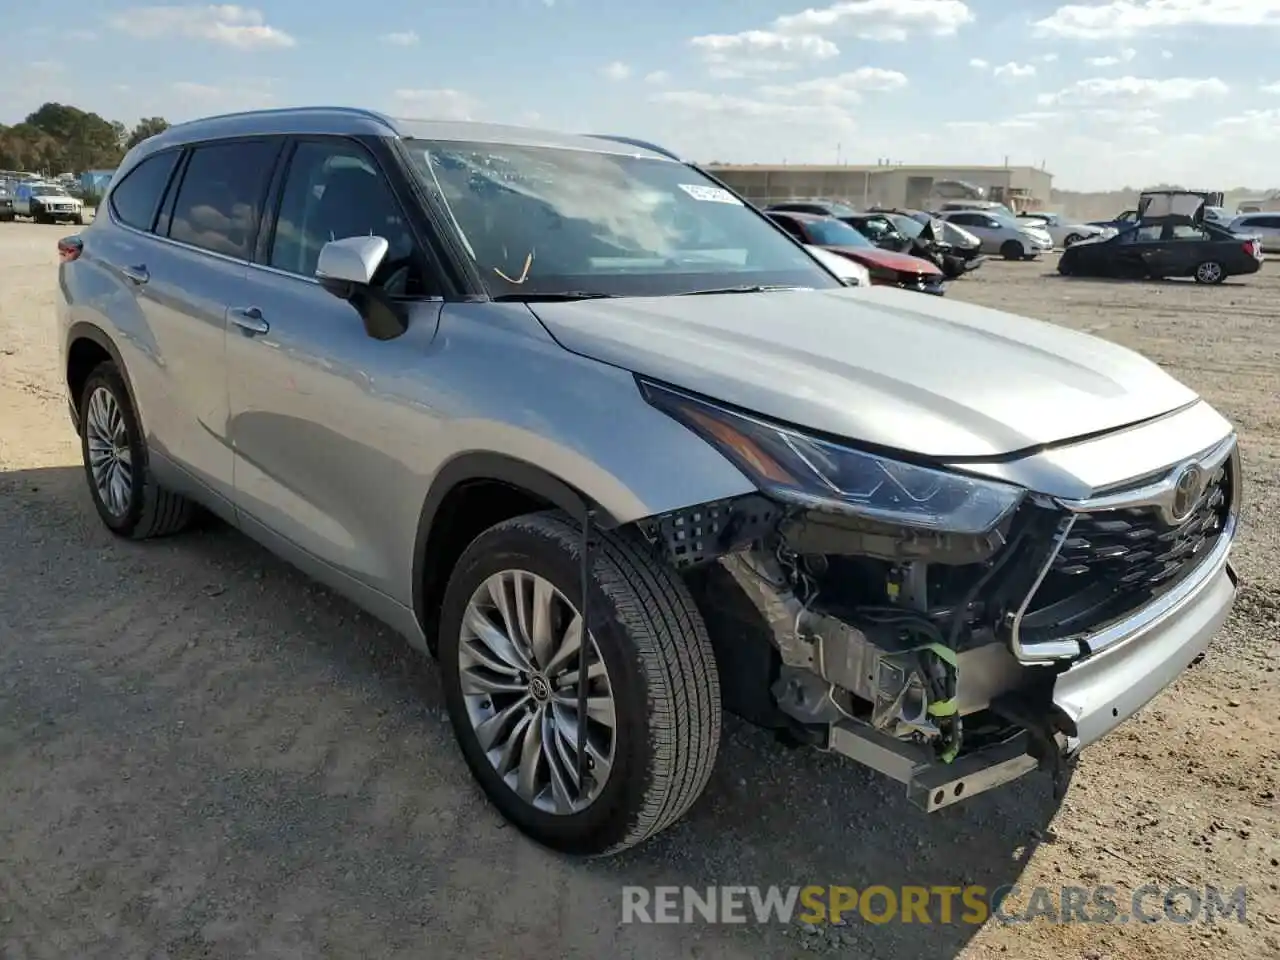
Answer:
(6, 204)
(951, 249)
(886, 267)
(600, 436)
(1264, 226)
(1154, 250)
(1121, 221)
(1003, 235)
(46, 203)
(1064, 231)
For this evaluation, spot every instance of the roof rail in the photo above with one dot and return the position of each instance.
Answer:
(632, 141)
(276, 111)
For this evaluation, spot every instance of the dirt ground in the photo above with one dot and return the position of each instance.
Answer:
(206, 756)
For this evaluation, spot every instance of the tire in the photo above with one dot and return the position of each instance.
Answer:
(1064, 267)
(1072, 238)
(144, 509)
(1210, 272)
(1012, 250)
(660, 672)
(78, 220)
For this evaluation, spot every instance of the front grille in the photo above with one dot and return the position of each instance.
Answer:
(1114, 562)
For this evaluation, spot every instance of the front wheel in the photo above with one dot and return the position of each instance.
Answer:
(1012, 250)
(513, 654)
(1072, 238)
(1210, 272)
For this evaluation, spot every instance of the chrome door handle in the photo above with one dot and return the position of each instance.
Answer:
(249, 319)
(136, 274)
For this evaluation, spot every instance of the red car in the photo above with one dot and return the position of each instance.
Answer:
(886, 267)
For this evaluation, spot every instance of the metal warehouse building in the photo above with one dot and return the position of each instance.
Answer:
(899, 185)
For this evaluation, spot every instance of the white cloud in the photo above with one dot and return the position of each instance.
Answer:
(979, 64)
(1128, 18)
(804, 36)
(1166, 54)
(657, 76)
(1272, 88)
(402, 38)
(1135, 90)
(437, 104)
(233, 26)
(616, 71)
(1033, 120)
(1049, 58)
(1124, 56)
(1253, 124)
(1015, 70)
(880, 19)
(843, 88)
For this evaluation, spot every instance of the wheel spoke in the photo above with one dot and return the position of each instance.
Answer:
(570, 644)
(594, 672)
(531, 757)
(490, 732)
(475, 684)
(509, 753)
(523, 600)
(564, 775)
(500, 596)
(505, 656)
(540, 639)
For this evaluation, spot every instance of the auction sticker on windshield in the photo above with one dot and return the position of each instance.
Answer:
(710, 194)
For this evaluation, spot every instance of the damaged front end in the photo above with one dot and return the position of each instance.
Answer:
(946, 631)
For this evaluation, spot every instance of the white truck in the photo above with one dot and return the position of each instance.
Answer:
(46, 202)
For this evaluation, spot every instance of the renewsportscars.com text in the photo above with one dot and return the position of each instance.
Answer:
(971, 905)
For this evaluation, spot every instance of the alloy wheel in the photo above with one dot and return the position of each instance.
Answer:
(1209, 272)
(110, 458)
(521, 657)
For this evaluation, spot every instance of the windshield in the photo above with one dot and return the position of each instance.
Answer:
(834, 233)
(47, 190)
(542, 220)
(908, 226)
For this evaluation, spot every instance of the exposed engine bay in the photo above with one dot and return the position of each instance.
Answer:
(898, 646)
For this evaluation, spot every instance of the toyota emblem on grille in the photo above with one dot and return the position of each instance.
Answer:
(1186, 491)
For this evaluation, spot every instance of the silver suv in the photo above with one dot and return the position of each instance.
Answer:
(572, 417)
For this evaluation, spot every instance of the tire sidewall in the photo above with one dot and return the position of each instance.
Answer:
(607, 821)
(106, 375)
(1012, 250)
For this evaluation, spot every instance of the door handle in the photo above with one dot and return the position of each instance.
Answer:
(249, 319)
(136, 274)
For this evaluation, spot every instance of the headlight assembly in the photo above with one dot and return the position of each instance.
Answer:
(816, 473)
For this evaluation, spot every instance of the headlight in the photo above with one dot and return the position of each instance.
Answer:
(816, 473)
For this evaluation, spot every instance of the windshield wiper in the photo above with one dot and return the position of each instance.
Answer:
(746, 288)
(552, 297)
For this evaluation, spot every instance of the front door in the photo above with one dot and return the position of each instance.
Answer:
(322, 454)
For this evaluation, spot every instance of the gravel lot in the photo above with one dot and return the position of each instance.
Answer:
(207, 756)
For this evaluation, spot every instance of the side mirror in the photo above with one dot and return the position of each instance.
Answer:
(348, 262)
(346, 269)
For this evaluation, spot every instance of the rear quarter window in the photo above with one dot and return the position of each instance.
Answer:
(136, 198)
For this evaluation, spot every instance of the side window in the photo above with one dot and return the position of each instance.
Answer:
(135, 198)
(219, 200)
(991, 223)
(1184, 231)
(333, 190)
(964, 219)
(1267, 223)
(1148, 233)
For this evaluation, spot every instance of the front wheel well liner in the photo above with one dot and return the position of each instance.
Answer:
(470, 494)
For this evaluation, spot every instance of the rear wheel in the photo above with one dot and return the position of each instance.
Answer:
(127, 499)
(1012, 250)
(513, 654)
(1210, 272)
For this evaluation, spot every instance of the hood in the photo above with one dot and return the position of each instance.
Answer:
(52, 197)
(943, 379)
(886, 259)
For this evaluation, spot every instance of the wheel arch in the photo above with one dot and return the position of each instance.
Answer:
(88, 345)
(470, 493)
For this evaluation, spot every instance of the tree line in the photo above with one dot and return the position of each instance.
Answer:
(59, 138)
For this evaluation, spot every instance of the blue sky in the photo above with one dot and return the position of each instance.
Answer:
(1104, 92)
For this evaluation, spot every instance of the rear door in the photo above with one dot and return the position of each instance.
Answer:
(208, 225)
